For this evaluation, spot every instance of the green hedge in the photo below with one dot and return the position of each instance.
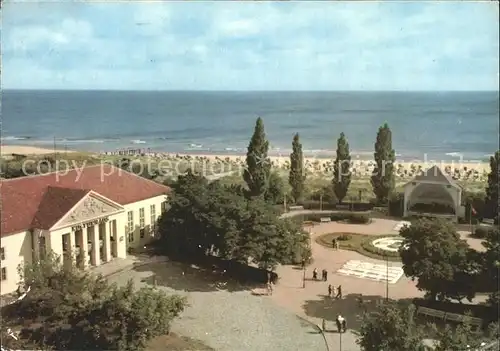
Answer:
(351, 217)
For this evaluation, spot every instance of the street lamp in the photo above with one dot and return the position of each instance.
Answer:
(386, 277)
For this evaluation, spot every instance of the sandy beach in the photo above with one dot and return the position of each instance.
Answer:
(7, 150)
(320, 167)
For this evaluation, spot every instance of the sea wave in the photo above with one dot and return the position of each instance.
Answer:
(10, 138)
(454, 154)
(138, 141)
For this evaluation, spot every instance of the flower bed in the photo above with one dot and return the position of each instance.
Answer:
(360, 243)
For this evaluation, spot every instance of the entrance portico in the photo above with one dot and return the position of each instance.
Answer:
(88, 234)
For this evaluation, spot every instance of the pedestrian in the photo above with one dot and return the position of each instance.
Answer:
(268, 277)
(339, 292)
(340, 323)
(330, 290)
(344, 325)
(269, 288)
(326, 275)
(315, 274)
(323, 325)
(334, 243)
(303, 263)
(323, 274)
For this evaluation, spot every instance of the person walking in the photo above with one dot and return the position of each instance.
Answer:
(326, 275)
(323, 275)
(344, 325)
(334, 243)
(323, 325)
(315, 274)
(338, 321)
(339, 292)
(330, 290)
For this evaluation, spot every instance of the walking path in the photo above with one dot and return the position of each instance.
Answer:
(230, 318)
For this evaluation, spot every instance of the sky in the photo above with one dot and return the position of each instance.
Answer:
(434, 46)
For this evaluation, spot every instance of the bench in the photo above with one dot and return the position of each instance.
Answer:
(430, 312)
(325, 219)
(296, 208)
(453, 317)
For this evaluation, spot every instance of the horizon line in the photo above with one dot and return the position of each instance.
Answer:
(255, 90)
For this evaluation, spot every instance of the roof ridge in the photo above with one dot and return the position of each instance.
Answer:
(52, 173)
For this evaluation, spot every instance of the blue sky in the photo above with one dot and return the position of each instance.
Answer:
(251, 46)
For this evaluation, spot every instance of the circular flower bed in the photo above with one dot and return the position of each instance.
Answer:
(363, 244)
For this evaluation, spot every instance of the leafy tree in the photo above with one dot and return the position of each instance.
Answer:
(382, 179)
(206, 218)
(391, 328)
(433, 253)
(460, 338)
(275, 193)
(256, 175)
(297, 175)
(341, 169)
(492, 188)
(491, 265)
(73, 309)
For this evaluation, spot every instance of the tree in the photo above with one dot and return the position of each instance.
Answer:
(256, 175)
(391, 328)
(492, 188)
(206, 218)
(297, 175)
(433, 253)
(460, 338)
(491, 264)
(72, 309)
(382, 179)
(275, 193)
(341, 169)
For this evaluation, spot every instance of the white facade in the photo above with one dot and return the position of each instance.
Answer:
(95, 231)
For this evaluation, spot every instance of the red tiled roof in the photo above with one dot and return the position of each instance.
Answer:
(22, 198)
(56, 202)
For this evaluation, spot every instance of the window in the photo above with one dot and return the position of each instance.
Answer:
(2, 253)
(4, 273)
(142, 221)
(130, 226)
(163, 206)
(152, 208)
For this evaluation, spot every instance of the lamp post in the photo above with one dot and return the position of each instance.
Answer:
(386, 277)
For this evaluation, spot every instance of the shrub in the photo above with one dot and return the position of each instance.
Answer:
(481, 232)
(344, 237)
(316, 205)
(396, 204)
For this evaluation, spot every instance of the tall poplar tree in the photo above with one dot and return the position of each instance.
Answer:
(341, 173)
(297, 176)
(492, 187)
(258, 169)
(382, 179)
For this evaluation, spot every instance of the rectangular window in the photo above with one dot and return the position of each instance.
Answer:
(130, 226)
(142, 221)
(2, 253)
(153, 218)
(163, 206)
(4, 273)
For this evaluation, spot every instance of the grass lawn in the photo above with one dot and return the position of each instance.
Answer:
(360, 243)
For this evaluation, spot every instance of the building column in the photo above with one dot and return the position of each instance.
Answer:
(84, 248)
(95, 258)
(121, 236)
(72, 246)
(106, 242)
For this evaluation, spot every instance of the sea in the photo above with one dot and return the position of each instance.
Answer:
(431, 125)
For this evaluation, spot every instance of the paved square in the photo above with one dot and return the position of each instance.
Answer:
(372, 271)
(400, 225)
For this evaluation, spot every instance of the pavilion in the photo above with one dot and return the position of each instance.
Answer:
(433, 194)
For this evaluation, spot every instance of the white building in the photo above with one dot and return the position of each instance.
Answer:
(91, 215)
